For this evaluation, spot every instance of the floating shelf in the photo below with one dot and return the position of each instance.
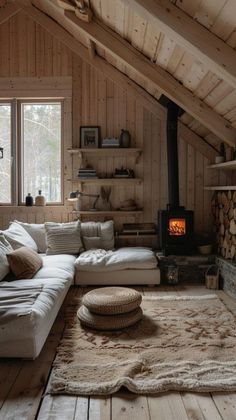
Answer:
(220, 188)
(108, 213)
(230, 165)
(137, 235)
(108, 181)
(112, 152)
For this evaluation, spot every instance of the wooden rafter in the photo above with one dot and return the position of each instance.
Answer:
(219, 57)
(157, 76)
(113, 74)
(7, 11)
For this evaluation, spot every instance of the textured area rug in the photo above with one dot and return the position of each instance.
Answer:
(182, 343)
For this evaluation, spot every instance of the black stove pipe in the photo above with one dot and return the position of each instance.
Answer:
(172, 154)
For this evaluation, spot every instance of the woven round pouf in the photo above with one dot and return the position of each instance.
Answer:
(111, 322)
(112, 300)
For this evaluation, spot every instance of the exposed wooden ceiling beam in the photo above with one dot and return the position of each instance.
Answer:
(115, 75)
(219, 57)
(7, 11)
(154, 74)
(196, 141)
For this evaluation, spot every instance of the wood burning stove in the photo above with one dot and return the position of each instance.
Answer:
(176, 231)
(175, 225)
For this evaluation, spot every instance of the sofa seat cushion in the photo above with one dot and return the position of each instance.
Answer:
(122, 259)
(26, 318)
(57, 266)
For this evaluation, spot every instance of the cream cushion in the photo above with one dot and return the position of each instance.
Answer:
(137, 258)
(63, 238)
(92, 231)
(17, 237)
(112, 300)
(112, 322)
(37, 232)
(5, 248)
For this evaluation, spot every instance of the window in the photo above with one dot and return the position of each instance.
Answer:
(37, 135)
(5, 161)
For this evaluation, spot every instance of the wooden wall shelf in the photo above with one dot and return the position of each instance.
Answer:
(108, 213)
(220, 188)
(111, 152)
(108, 181)
(230, 165)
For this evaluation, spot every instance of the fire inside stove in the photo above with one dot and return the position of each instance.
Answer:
(177, 227)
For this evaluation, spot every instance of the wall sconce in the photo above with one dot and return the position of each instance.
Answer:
(1, 152)
(75, 196)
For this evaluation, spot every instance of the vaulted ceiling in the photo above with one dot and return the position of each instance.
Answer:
(183, 49)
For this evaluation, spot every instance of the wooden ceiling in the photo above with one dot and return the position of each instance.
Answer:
(184, 49)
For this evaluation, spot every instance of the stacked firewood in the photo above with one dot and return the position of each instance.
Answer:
(224, 212)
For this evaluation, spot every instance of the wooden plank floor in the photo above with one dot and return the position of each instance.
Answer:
(23, 384)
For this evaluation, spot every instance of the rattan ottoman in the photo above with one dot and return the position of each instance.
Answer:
(110, 308)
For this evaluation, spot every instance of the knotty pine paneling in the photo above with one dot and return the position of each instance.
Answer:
(27, 50)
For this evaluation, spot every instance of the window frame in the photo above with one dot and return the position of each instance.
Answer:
(11, 102)
(17, 176)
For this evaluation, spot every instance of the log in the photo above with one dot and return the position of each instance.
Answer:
(229, 195)
(222, 229)
(221, 216)
(232, 251)
(224, 199)
(231, 213)
(234, 197)
(232, 227)
(219, 198)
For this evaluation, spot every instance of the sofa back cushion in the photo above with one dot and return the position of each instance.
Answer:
(63, 238)
(98, 235)
(5, 248)
(37, 232)
(24, 262)
(17, 237)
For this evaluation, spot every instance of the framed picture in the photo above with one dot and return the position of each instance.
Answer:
(89, 137)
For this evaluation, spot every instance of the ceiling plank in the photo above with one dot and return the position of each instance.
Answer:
(115, 75)
(7, 11)
(154, 74)
(219, 57)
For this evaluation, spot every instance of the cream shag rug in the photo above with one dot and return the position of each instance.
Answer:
(182, 343)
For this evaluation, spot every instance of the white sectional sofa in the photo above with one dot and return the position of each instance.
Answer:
(28, 307)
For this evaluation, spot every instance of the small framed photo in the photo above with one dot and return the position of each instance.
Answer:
(89, 137)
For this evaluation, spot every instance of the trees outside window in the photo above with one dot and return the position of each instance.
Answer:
(41, 150)
(37, 135)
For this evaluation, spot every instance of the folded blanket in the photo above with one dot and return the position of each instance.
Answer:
(135, 258)
(17, 301)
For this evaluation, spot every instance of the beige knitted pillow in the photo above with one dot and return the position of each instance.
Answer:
(63, 238)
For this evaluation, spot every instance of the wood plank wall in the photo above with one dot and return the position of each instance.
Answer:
(26, 50)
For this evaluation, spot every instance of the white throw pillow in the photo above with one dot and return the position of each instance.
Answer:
(5, 248)
(37, 232)
(63, 238)
(17, 236)
(95, 230)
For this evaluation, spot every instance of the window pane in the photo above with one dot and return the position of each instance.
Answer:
(5, 163)
(41, 145)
